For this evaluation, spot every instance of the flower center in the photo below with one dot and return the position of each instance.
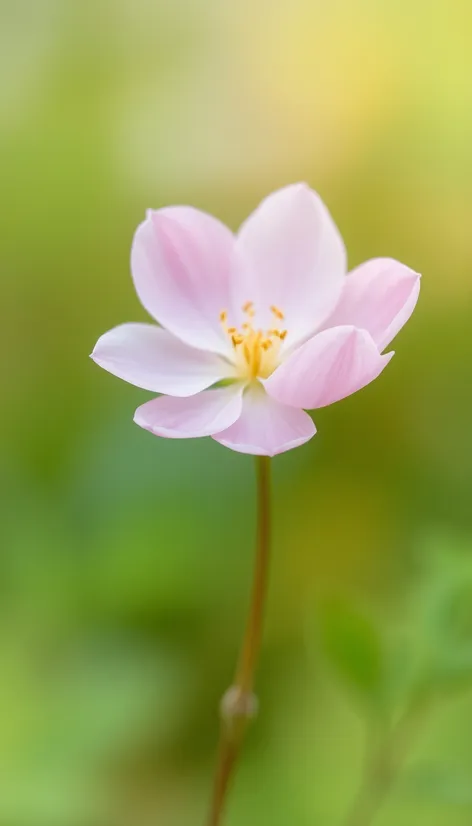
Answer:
(256, 350)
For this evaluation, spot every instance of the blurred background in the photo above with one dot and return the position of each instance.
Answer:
(125, 559)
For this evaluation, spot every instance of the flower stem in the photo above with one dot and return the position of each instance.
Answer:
(239, 704)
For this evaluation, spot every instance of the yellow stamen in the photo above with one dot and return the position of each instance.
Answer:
(248, 308)
(256, 350)
(277, 333)
(278, 313)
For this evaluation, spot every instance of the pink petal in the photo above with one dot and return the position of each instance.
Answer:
(182, 261)
(295, 259)
(152, 358)
(379, 296)
(330, 366)
(201, 415)
(266, 427)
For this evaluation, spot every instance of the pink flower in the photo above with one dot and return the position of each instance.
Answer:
(269, 312)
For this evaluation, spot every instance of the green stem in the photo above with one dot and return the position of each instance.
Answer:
(239, 704)
(382, 765)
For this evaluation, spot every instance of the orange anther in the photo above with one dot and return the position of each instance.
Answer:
(275, 310)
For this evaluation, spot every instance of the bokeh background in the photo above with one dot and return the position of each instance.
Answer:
(125, 559)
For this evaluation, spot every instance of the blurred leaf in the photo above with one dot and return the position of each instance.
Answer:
(437, 785)
(455, 666)
(353, 646)
(441, 619)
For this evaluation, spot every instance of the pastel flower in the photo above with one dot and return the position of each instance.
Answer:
(255, 327)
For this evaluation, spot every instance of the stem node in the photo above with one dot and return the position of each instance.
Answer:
(237, 709)
(239, 704)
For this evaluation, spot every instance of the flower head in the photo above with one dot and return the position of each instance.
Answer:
(255, 326)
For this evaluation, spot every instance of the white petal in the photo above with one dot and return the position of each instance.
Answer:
(330, 366)
(183, 263)
(266, 427)
(378, 296)
(295, 260)
(152, 358)
(200, 415)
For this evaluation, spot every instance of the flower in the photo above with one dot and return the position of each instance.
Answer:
(255, 326)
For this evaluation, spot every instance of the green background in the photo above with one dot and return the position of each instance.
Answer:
(126, 559)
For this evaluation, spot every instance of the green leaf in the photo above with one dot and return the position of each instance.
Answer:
(438, 623)
(353, 646)
(448, 630)
(435, 784)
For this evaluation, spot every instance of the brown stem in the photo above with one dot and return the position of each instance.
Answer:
(244, 679)
(228, 753)
(239, 704)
